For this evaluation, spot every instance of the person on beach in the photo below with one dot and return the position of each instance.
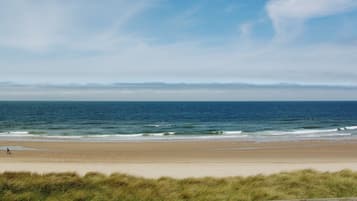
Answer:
(8, 152)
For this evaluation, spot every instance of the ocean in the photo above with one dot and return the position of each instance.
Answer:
(122, 121)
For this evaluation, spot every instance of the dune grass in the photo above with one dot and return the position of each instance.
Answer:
(94, 186)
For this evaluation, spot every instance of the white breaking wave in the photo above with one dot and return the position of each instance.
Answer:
(309, 131)
(19, 132)
(114, 135)
(153, 134)
(131, 135)
(153, 125)
(228, 134)
(126, 135)
(272, 133)
(157, 125)
(303, 132)
(158, 134)
(351, 127)
(326, 135)
(64, 136)
(231, 132)
(16, 134)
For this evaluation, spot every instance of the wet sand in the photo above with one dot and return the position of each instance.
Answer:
(179, 159)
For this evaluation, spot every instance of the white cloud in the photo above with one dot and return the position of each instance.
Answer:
(288, 16)
(41, 26)
(328, 64)
(32, 25)
(127, 58)
(111, 36)
(245, 29)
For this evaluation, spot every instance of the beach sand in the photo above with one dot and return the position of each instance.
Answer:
(179, 159)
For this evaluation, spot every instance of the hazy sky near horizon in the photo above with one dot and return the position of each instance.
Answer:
(218, 41)
(176, 92)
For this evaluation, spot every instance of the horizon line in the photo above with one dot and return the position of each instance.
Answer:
(179, 85)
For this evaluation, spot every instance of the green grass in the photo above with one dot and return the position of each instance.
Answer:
(94, 186)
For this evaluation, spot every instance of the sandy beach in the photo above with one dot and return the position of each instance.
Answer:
(179, 159)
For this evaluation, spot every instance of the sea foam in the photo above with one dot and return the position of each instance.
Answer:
(232, 132)
(16, 134)
(351, 127)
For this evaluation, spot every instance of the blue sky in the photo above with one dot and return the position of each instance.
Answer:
(305, 42)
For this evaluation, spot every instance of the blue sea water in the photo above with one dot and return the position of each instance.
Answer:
(178, 120)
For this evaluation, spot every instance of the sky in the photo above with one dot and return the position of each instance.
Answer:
(293, 45)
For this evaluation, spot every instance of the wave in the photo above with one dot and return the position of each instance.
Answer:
(40, 134)
(16, 133)
(351, 127)
(309, 131)
(158, 134)
(311, 127)
(271, 133)
(213, 134)
(113, 135)
(152, 125)
(63, 136)
(19, 132)
(157, 125)
(301, 132)
(232, 132)
(326, 135)
(36, 135)
(37, 132)
(296, 132)
(132, 135)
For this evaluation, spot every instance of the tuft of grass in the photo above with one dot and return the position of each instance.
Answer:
(304, 184)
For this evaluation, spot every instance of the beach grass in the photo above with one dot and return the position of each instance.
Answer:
(95, 186)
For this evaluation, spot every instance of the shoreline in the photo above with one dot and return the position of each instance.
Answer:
(302, 134)
(180, 159)
(149, 139)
